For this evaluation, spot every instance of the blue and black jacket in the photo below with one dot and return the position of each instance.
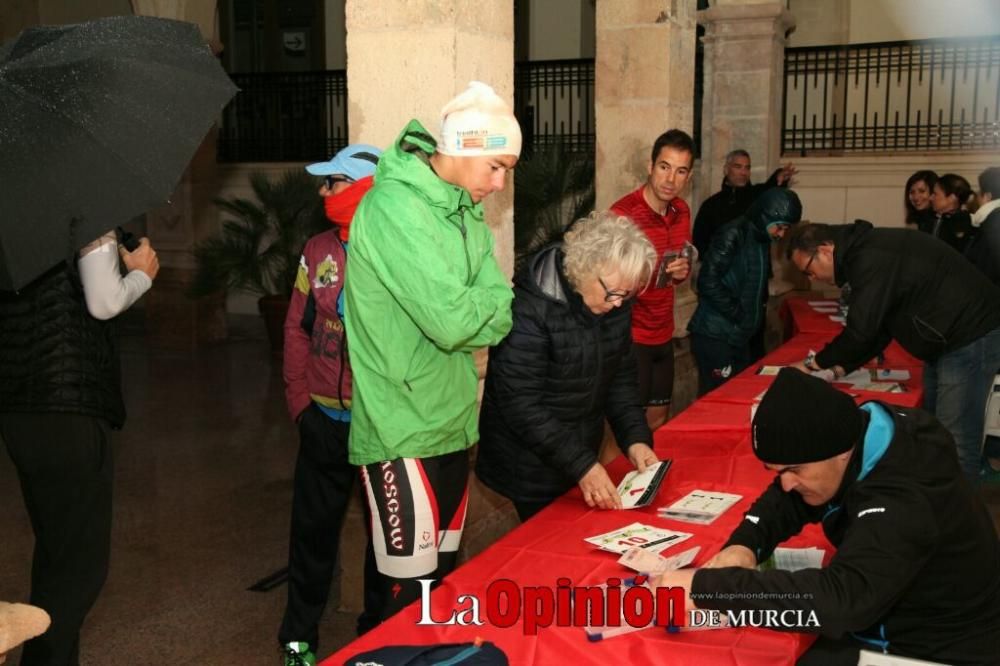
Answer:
(917, 567)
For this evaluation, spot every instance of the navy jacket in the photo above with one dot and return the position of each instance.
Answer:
(734, 272)
(917, 567)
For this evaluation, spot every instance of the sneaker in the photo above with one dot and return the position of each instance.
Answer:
(298, 654)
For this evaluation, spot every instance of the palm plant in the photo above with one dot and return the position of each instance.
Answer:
(553, 186)
(260, 243)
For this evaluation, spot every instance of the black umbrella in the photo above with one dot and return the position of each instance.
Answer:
(97, 123)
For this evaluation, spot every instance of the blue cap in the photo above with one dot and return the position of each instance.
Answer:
(356, 161)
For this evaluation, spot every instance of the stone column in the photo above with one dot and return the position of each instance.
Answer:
(644, 85)
(406, 59)
(173, 319)
(744, 76)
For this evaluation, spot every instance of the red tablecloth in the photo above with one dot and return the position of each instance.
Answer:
(551, 545)
(709, 444)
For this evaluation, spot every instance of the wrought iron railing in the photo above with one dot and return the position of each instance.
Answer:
(554, 102)
(302, 116)
(285, 116)
(895, 96)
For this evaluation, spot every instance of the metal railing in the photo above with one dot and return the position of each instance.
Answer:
(285, 116)
(895, 96)
(302, 116)
(554, 103)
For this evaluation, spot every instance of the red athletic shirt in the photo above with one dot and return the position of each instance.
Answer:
(653, 310)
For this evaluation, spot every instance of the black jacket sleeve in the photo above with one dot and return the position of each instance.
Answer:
(884, 548)
(876, 280)
(704, 225)
(518, 369)
(774, 517)
(722, 253)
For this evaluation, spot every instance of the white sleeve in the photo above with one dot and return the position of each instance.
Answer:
(107, 293)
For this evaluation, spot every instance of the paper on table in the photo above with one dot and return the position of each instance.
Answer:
(700, 506)
(794, 559)
(653, 539)
(868, 375)
(639, 489)
(652, 564)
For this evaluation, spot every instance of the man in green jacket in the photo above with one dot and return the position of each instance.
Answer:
(423, 292)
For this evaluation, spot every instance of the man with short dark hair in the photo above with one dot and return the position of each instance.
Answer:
(735, 196)
(919, 291)
(657, 208)
(916, 572)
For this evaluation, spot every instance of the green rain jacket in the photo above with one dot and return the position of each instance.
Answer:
(423, 292)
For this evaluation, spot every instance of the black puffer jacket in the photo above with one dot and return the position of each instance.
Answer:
(551, 383)
(908, 287)
(56, 357)
(733, 279)
(917, 567)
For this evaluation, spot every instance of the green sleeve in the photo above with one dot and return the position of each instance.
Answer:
(411, 253)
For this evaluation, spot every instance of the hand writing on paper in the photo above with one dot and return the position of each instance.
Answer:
(641, 456)
(732, 556)
(598, 491)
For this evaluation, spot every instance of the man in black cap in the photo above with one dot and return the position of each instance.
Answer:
(917, 567)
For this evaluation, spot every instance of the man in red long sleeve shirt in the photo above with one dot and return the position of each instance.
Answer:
(658, 210)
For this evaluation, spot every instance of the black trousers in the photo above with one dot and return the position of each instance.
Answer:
(324, 481)
(64, 463)
(717, 361)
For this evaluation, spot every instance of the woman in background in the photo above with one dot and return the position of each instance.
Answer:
(952, 194)
(917, 201)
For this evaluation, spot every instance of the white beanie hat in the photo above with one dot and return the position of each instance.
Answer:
(478, 122)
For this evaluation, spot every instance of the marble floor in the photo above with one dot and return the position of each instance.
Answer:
(202, 501)
(202, 505)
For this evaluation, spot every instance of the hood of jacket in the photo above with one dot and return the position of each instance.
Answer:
(543, 276)
(414, 146)
(848, 236)
(776, 205)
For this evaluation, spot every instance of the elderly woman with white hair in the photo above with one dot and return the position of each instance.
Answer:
(566, 366)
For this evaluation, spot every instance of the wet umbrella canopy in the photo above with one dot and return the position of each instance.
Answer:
(98, 122)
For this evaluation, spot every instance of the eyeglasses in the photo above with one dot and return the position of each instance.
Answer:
(805, 271)
(333, 180)
(614, 295)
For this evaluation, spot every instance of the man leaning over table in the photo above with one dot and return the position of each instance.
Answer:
(917, 567)
(920, 292)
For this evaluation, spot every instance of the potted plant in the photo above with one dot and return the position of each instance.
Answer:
(258, 248)
(553, 186)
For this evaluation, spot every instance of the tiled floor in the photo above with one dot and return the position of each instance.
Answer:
(203, 490)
